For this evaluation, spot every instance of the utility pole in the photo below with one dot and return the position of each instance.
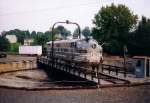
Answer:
(124, 56)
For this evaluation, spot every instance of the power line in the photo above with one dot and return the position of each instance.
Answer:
(49, 9)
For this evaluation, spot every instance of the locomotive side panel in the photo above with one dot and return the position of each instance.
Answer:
(77, 50)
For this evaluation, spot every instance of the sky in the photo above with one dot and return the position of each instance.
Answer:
(40, 15)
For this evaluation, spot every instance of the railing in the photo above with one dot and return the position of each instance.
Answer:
(76, 69)
(115, 69)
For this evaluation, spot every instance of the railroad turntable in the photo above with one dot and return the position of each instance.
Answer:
(38, 79)
(64, 74)
(76, 62)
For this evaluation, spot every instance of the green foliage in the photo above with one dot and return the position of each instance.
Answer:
(86, 32)
(112, 26)
(139, 42)
(48, 35)
(21, 35)
(40, 33)
(76, 33)
(40, 39)
(63, 31)
(33, 34)
(4, 44)
(14, 47)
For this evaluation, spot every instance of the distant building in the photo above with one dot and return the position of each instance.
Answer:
(142, 66)
(12, 38)
(28, 41)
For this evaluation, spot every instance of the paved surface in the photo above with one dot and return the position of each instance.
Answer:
(38, 79)
(137, 94)
(16, 58)
(27, 79)
(17, 62)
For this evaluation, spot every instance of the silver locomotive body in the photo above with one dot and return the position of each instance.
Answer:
(77, 50)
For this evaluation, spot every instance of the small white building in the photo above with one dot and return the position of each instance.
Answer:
(12, 38)
(30, 50)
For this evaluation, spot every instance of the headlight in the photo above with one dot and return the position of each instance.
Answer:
(93, 46)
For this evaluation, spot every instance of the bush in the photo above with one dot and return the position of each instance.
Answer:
(14, 47)
(4, 44)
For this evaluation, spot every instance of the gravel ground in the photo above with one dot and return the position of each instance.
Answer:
(137, 94)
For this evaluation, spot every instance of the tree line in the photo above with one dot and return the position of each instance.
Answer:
(39, 38)
(116, 28)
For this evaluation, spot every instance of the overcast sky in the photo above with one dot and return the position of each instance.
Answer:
(40, 15)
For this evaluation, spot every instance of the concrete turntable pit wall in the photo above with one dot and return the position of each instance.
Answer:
(16, 62)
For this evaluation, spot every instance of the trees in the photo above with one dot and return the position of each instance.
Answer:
(139, 42)
(4, 44)
(86, 32)
(33, 34)
(21, 35)
(63, 31)
(40, 39)
(76, 33)
(112, 26)
(14, 47)
(48, 35)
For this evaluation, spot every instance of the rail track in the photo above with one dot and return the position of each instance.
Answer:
(94, 73)
(82, 76)
(37, 79)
